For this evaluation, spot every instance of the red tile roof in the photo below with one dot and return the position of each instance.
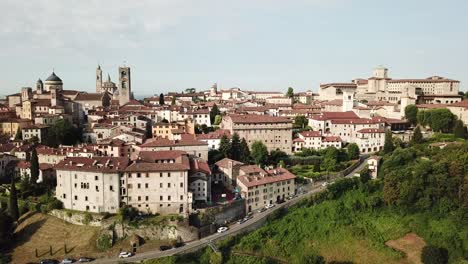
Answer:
(164, 142)
(276, 175)
(224, 163)
(95, 164)
(371, 130)
(257, 119)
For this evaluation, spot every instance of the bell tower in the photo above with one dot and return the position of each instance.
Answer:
(98, 79)
(125, 87)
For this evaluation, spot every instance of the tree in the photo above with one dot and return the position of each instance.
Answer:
(34, 167)
(173, 100)
(300, 122)
(417, 136)
(161, 99)
(388, 145)
(213, 113)
(6, 224)
(217, 120)
(62, 132)
(224, 146)
(234, 148)
(466, 95)
(13, 206)
(330, 159)
(459, 130)
(353, 151)
(19, 134)
(290, 92)
(244, 151)
(364, 175)
(434, 255)
(276, 156)
(440, 120)
(259, 153)
(149, 129)
(411, 114)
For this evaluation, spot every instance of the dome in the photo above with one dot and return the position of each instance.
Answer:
(53, 78)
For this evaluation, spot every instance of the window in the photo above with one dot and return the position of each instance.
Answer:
(146, 198)
(181, 197)
(168, 185)
(169, 174)
(160, 185)
(76, 176)
(97, 188)
(147, 175)
(139, 198)
(139, 186)
(160, 174)
(146, 185)
(96, 178)
(168, 197)
(76, 198)
(138, 175)
(160, 198)
(76, 185)
(111, 188)
(86, 198)
(181, 185)
(64, 196)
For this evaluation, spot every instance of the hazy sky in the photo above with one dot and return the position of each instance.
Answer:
(253, 44)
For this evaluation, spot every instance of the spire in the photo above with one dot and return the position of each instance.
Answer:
(99, 66)
(108, 78)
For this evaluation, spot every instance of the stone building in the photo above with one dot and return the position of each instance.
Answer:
(274, 132)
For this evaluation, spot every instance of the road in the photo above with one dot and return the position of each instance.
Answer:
(234, 229)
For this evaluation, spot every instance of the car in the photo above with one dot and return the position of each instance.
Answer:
(164, 247)
(325, 184)
(67, 261)
(247, 217)
(85, 259)
(268, 206)
(125, 254)
(241, 221)
(222, 229)
(48, 261)
(261, 210)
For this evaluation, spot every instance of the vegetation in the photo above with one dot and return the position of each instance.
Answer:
(290, 92)
(388, 144)
(259, 153)
(19, 134)
(62, 132)
(34, 167)
(13, 205)
(161, 99)
(434, 255)
(353, 151)
(104, 242)
(439, 120)
(411, 114)
(459, 129)
(417, 136)
(300, 122)
(213, 113)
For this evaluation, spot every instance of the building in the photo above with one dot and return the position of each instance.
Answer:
(315, 140)
(200, 181)
(158, 182)
(10, 126)
(370, 140)
(213, 138)
(7, 167)
(373, 165)
(190, 145)
(226, 172)
(35, 131)
(259, 187)
(274, 132)
(125, 85)
(90, 184)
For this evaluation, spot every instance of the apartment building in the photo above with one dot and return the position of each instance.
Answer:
(37, 131)
(259, 187)
(190, 145)
(90, 184)
(226, 172)
(274, 132)
(370, 139)
(315, 140)
(157, 182)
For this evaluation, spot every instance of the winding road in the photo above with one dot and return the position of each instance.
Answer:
(234, 229)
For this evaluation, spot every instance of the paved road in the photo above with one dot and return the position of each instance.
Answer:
(233, 230)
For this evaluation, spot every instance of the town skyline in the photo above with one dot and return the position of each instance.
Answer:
(261, 46)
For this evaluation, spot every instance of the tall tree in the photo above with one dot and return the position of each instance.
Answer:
(330, 159)
(417, 136)
(290, 92)
(244, 151)
(259, 153)
(19, 134)
(13, 205)
(224, 146)
(161, 99)
(353, 151)
(459, 130)
(388, 145)
(411, 114)
(213, 113)
(276, 156)
(234, 149)
(149, 129)
(300, 121)
(34, 167)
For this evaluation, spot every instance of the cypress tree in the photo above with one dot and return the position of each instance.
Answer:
(13, 206)
(417, 136)
(34, 166)
(161, 99)
(244, 151)
(234, 149)
(459, 130)
(388, 146)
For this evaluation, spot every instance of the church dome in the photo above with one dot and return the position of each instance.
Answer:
(53, 78)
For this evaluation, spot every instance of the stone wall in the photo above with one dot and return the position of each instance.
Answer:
(170, 230)
(77, 218)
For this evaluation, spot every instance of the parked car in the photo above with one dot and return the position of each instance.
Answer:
(268, 206)
(241, 221)
(164, 247)
(261, 210)
(125, 254)
(67, 261)
(84, 259)
(48, 261)
(223, 229)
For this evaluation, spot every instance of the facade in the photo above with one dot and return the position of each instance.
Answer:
(370, 140)
(274, 132)
(259, 187)
(125, 85)
(226, 172)
(373, 165)
(37, 131)
(90, 184)
(192, 146)
(315, 140)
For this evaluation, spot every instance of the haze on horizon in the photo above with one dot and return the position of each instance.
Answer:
(256, 45)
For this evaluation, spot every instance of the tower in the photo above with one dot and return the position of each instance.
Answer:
(348, 98)
(125, 87)
(26, 94)
(39, 86)
(214, 89)
(98, 79)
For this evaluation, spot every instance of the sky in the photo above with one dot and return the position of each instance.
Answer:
(260, 45)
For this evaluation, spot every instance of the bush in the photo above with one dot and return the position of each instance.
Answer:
(104, 242)
(434, 255)
(87, 218)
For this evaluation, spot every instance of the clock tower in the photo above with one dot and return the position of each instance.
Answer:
(125, 89)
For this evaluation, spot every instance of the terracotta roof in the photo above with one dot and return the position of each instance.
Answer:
(311, 134)
(354, 121)
(331, 139)
(336, 102)
(338, 85)
(335, 115)
(152, 156)
(23, 164)
(371, 130)
(95, 164)
(214, 135)
(252, 169)
(89, 97)
(256, 119)
(164, 142)
(463, 103)
(276, 175)
(224, 163)
(199, 165)
(142, 166)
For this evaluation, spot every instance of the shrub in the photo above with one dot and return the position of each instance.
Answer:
(104, 242)
(69, 214)
(106, 215)
(87, 218)
(434, 255)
